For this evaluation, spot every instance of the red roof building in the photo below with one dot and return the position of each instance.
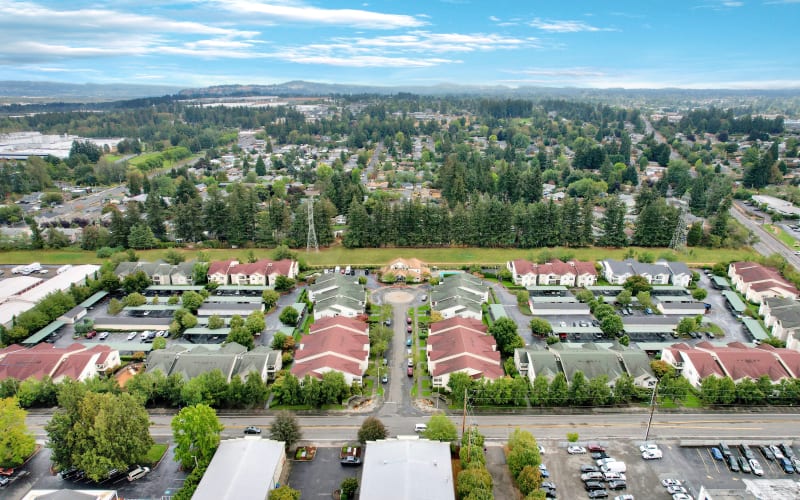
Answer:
(45, 360)
(735, 360)
(554, 272)
(462, 345)
(260, 273)
(757, 282)
(336, 344)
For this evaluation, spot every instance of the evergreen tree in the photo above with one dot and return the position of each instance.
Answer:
(357, 234)
(261, 168)
(155, 215)
(613, 224)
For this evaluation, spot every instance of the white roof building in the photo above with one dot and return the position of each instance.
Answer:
(245, 468)
(407, 468)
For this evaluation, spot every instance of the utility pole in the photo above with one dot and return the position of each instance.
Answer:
(652, 411)
(464, 415)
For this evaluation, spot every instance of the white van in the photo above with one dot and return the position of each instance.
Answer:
(137, 473)
(420, 427)
(618, 467)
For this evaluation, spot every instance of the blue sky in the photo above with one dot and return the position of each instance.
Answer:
(196, 43)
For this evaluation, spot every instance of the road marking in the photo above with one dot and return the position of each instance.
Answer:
(703, 460)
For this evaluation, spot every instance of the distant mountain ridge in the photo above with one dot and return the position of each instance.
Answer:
(39, 91)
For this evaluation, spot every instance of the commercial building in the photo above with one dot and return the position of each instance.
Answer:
(244, 468)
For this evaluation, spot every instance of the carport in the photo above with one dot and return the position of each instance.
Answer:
(755, 329)
(734, 302)
(560, 309)
(43, 333)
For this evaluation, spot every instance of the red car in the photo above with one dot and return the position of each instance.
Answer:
(408, 320)
(595, 448)
(410, 371)
(90, 334)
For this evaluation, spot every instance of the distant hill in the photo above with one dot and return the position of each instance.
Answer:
(23, 91)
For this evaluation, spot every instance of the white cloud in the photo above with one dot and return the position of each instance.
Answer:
(424, 41)
(565, 26)
(494, 19)
(255, 10)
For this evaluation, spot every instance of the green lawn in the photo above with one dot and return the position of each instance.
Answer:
(692, 401)
(782, 235)
(155, 453)
(444, 257)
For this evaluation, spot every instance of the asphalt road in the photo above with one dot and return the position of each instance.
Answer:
(596, 426)
(768, 244)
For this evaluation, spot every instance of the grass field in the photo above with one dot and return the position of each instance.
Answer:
(155, 453)
(442, 257)
(783, 236)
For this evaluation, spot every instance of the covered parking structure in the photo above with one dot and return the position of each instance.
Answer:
(548, 291)
(755, 329)
(44, 333)
(734, 302)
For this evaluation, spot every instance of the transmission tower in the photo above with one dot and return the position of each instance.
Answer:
(311, 242)
(678, 241)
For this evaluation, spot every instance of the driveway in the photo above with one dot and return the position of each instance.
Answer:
(271, 319)
(509, 302)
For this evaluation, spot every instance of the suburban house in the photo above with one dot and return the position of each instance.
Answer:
(459, 294)
(590, 359)
(408, 270)
(617, 272)
(757, 282)
(461, 345)
(236, 463)
(333, 344)
(735, 360)
(159, 272)
(77, 362)
(262, 272)
(555, 272)
(231, 359)
(407, 468)
(782, 316)
(331, 281)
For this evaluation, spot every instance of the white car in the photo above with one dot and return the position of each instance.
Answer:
(670, 482)
(682, 496)
(131, 335)
(648, 447)
(672, 490)
(576, 450)
(756, 467)
(102, 336)
(541, 450)
(652, 454)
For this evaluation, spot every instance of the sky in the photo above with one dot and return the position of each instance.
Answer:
(570, 43)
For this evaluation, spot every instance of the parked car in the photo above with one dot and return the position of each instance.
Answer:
(410, 371)
(138, 472)
(787, 450)
(756, 467)
(676, 489)
(589, 468)
(541, 450)
(776, 452)
(576, 450)
(102, 336)
(598, 494)
(767, 452)
(733, 464)
(351, 461)
(543, 471)
(593, 485)
(786, 465)
(385, 379)
(617, 484)
(623, 497)
(408, 329)
(597, 455)
(91, 334)
(725, 449)
(648, 447)
(716, 454)
(747, 452)
(131, 335)
(592, 476)
(670, 482)
(744, 465)
(252, 430)
(4, 481)
(652, 454)
(408, 320)
(618, 476)
(408, 342)
(595, 448)
(682, 496)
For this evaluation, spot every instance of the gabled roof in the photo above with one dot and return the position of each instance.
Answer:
(221, 266)
(459, 302)
(475, 367)
(200, 360)
(591, 360)
(318, 366)
(583, 267)
(458, 322)
(740, 361)
(677, 267)
(37, 362)
(340, 343)
(523, 267)
(335, 322)
(461, 341)
(789, 357)
(703, 362)
(541, 361)
(235, 466)
(253, 361)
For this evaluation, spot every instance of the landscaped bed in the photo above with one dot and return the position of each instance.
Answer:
(305, 453)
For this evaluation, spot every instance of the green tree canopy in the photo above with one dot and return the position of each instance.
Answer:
(504, 331)
(541, 327)
(285, 428)
(196, 430)
(289, 316)
(16, 441)
(372, 429)
(441, 428)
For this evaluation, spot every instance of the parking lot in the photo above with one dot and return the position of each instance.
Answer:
(321, 476)
(692, 465)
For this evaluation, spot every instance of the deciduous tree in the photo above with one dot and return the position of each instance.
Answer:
(372, 429)
(196, 430)
(285, 428)
(16, 441)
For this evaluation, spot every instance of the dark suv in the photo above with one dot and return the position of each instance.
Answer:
(593, 485)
